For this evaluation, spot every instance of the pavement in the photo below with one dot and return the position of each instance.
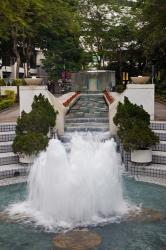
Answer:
(11, 114)
(160, 111)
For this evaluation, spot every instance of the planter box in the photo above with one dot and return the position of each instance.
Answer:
(33, 81)
(141, 156)
(28, 159)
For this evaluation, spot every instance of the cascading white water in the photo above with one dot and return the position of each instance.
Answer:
(77, 188)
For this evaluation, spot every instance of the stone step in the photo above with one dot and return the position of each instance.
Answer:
(13, 180)
(13, 170)
(87, 120)
(159, 157)
(153, 170)
(157, 125)
(6, 147)
(160, 147)
(86, 129)
(88, 115)
(87, 125)
(5, 127)
(161, 134)
(7, 136)
(102, 136)
(8, 158)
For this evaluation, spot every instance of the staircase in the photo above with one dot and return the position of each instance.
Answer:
(89, 114)
(9, 165)
(155, 172)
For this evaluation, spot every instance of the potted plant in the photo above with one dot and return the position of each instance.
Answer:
(134, 130)
(29, 145)
(32, 129)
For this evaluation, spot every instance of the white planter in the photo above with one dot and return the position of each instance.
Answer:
(141, 156)
(33, 81)
(28, 159)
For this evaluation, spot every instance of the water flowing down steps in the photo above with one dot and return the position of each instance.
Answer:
(90, 113)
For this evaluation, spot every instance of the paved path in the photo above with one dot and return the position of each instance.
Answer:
(10, 115)
(160, 111)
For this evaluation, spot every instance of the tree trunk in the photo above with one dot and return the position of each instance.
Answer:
(15, 51)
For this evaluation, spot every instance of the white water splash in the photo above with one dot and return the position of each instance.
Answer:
(82, 187)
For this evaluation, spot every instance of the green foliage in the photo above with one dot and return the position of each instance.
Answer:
(133, 126)
(119, 88)
(6, 103)
(31, 143)
(32, 128)
(18, 82)
(42, 105)
(2, 82)
(8, 100)
(10, 95)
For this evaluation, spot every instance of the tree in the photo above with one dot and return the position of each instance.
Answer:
(28, 24)
(133, 124)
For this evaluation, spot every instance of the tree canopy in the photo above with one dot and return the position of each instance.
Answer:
(123, 35)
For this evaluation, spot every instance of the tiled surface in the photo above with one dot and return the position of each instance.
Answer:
(11, 181)
(160, 147)
(150, 171)
(10, 171)
(6, 147)
(7, 136)
(5, 127)
(158, 125)
(8, 158)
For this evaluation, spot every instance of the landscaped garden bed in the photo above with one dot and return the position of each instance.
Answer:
(7, 100)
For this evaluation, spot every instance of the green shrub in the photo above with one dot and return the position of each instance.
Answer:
(133, 126)
(32, 128)
(5, 103)
(42, 104)
(2, 82)
(34, 121)
(10, 95)
(18, 82)
(30, 143)
(119, 88)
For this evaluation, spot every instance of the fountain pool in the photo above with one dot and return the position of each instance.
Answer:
(93, 195)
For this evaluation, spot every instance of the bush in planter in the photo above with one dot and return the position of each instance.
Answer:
(30, 143)
(41, 103)
(34, 121)
(133, 126)
(32, 128)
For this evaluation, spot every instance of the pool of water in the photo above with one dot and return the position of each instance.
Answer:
(116, 236)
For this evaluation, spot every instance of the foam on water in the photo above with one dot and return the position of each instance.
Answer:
(82, 187)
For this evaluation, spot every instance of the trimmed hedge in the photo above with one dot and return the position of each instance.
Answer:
(8, 100)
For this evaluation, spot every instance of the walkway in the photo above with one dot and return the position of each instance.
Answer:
(160, 111)
(10, 115)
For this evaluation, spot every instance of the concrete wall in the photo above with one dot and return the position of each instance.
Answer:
(27, 94)
(4, 88)
(140, 94)
(102, 79)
